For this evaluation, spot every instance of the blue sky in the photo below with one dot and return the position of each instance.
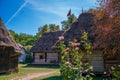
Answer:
(26, 16)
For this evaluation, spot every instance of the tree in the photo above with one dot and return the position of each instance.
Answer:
(41, 30)
(108, 25)
(54, 27)
(14, 35)
(66, 23)
(22, 38)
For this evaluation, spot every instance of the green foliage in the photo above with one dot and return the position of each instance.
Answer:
(85, 42)
(29, 57)
(66, 23)
(72, 65)
(115, 70)
(54, 27)
(21, 61)
(22, 38)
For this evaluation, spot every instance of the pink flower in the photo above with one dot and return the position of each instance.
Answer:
(77, 48)
(66, 53)
(61, 38)
(67, 49)
(78, 44)
(75, 44)
(68, 63)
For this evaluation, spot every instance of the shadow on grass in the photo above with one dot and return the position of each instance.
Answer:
(41, 66)
(4, 74)
(53, 78)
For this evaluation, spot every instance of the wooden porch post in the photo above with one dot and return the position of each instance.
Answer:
(45, 57)
(33, 56)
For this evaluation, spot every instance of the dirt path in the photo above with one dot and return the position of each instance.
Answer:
(35, 75)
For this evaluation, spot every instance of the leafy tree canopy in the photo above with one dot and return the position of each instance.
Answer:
(66, 23)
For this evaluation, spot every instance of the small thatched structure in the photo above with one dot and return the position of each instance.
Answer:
(43, 51)
(9, 51)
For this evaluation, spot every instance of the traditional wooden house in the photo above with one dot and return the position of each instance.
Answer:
(85, 22)
(100, 60)
(43, 51)
(9, 51)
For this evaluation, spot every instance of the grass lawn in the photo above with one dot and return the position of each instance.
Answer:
(24, 70)
(53, 76)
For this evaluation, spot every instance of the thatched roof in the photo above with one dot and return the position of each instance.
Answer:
(6, 40)
(23, 49)
(83, 23)
(46, 42)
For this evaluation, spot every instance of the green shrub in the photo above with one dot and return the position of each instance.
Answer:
(72, 66)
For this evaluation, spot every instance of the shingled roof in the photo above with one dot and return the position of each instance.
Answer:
(6, 40)
(46, 42)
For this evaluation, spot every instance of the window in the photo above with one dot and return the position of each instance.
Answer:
(1, 55)
(41, 57)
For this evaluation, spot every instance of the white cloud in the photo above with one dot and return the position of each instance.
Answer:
(58, 9)
(18, 10)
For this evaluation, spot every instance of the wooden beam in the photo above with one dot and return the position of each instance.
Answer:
(45, 57)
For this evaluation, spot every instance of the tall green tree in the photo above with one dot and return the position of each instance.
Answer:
(66, 23)
(41, 30)
(14, 35)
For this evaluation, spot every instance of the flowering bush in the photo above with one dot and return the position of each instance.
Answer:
(72, 63)
(115, 70)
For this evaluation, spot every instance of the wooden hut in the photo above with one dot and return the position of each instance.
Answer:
(9, 51)
(85, 22)
(100, 60)
(43, 51)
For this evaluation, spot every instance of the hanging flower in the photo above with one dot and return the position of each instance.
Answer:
(91, 67)
(67, 49)
(118, 65)
(75, 44)
(68, 63)
(78, 44)
(61, 38)
(77, 48)
(105, 73)
(112, 68)
(66, 53)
